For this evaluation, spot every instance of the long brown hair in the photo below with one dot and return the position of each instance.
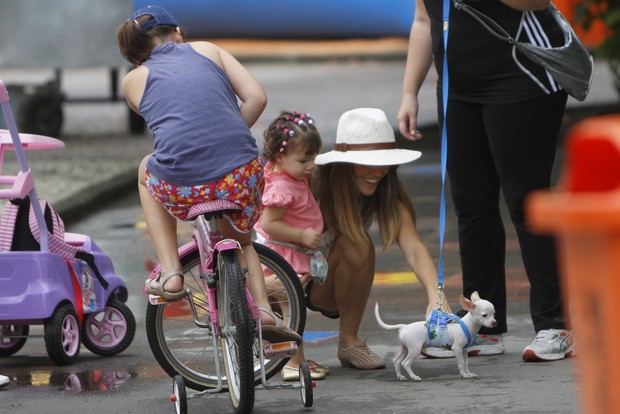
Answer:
(346, 211)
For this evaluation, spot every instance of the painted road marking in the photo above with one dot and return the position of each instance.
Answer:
(315, 336)
(395, 278)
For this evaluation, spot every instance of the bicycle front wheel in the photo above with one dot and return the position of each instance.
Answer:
(182, 348)
(237, 331)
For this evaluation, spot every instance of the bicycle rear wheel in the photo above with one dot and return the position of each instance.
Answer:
(237, 331)
(182, 348)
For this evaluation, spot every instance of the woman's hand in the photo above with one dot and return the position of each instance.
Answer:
(408, 118)
(432, 304)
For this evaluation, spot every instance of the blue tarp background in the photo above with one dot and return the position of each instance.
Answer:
(292, 19)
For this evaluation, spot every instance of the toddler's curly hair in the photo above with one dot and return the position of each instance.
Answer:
(288, 132)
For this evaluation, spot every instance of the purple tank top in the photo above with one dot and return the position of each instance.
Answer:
(192, 111)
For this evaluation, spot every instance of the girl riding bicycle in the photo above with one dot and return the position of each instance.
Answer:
(291, 222)
(188, 94)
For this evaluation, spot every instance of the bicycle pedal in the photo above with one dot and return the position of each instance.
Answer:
(158, 300)
(280, 350)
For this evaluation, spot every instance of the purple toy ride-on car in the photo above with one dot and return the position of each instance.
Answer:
(60, 280)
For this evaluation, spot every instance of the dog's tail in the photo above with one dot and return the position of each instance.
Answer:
(383, 324)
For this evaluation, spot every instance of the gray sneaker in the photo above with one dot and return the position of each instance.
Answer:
(487, 345)
(549, 345)
(432, 352)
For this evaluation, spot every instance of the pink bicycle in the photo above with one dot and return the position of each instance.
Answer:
(218, 319)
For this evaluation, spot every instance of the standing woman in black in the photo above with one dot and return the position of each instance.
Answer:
(503, 119)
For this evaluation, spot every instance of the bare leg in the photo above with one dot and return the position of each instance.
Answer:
(256, 285)
(163, 229)
(276, 292)
(256, 280)
(348, 286)
(299, 357)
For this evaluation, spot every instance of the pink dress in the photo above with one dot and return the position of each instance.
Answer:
(301, 211)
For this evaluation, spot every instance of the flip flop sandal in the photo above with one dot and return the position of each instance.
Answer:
(155, 286)
(278, 332)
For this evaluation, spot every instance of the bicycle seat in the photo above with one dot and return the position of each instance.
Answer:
(210, 209)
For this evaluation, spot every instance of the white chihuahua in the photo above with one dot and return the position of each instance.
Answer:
(413, 336)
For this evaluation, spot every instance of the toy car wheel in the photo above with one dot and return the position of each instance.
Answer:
(307, 394)
(12, 338)
(62, 335)
(110, 331)
(179, 395)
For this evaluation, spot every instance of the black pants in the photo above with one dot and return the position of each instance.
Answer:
(512, 147)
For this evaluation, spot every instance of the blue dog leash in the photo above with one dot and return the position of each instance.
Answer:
(438, 318)
(444, 144)
(444, 154)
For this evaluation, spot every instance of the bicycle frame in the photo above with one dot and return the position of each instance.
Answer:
(207, 241)
(210, 244)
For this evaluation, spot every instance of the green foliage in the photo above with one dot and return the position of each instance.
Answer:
(588, 11)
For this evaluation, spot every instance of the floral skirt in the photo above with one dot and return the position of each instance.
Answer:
(242, 186)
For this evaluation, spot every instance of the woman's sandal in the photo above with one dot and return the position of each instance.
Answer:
(278, 332)
(359, 356)
(155, 286)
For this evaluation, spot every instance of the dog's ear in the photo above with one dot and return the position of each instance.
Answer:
(467, 304)
(475, 297)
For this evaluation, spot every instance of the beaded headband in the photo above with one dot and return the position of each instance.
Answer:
(297, 119)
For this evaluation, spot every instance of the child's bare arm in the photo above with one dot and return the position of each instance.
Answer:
(248, 89)
(279, 230)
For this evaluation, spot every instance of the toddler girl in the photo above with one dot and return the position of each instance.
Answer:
(291, 222)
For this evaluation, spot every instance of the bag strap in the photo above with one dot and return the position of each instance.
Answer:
(57, 244)
(55, 237)
(7, 226)
(498, 31)
(491, 25)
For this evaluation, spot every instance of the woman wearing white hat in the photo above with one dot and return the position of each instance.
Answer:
(358, 181)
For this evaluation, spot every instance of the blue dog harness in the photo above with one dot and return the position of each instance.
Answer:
(437, 330)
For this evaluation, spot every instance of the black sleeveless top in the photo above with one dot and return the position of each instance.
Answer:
(484, 69)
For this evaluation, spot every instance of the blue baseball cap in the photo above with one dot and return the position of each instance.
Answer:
(161, 17)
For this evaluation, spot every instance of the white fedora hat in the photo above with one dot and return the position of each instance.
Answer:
(365, 136)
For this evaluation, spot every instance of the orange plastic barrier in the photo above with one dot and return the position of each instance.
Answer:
(584, 214)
